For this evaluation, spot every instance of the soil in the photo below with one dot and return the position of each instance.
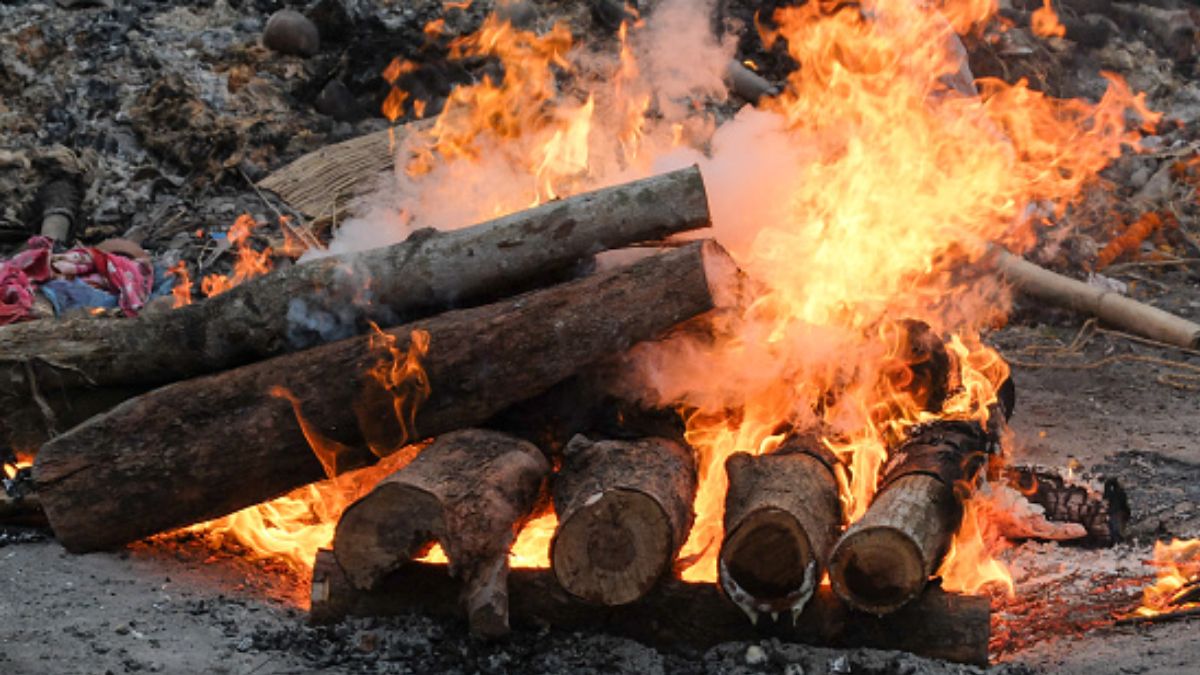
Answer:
(111, 84)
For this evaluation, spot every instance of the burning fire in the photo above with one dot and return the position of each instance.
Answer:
(249, 264)
(1178, 585)
(1044, 22)
(11, 469)
(863, 198)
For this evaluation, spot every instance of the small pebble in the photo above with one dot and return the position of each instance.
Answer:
(755, 656)
(290, 32)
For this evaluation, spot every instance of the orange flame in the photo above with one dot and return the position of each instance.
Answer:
(401, 374)
(1178, 584)
(969, 566)
(249, 263)
(1044, 22)
(182, 291)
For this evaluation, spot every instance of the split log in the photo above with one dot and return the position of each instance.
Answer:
(782, 515)
(1112, 308)
(1103, 514)
(469, 490)
(624, 510)
(334, 298)
(674, 615)
(206, 447)
(884, 559)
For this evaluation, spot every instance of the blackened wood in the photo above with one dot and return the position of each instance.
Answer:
(206, 447)
(674, 615)
(1103, 514)
(624, 510)
(782, 516)
(334, 298)
(469, 490)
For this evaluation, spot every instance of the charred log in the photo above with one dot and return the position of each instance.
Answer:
(469, 490)
(326, 299)
(206, 447)
(885, 558)
(782, 515)
(624, 511)
(673, 615)
(1103, 514)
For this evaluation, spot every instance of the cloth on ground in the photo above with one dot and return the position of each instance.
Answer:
(80, 277)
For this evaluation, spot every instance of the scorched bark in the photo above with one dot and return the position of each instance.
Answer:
(205, 447)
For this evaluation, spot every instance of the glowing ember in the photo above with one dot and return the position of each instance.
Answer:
(1178, 584)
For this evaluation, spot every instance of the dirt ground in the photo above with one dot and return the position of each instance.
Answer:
(179, 608)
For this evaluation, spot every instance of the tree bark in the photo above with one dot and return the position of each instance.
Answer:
(335, 297)
(624, 511)
(209, 446)
(782, 515)
(675, 615)
(884, 559)
(469, 490)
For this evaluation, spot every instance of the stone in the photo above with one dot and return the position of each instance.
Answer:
(290, 32)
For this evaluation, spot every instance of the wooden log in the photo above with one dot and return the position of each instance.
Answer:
(884, 559)
(675, 615)
(782, 515)
(206, 447)
(335, 297)
(469, 490)
(624, 510)
(1111, 308)
(1103, 513)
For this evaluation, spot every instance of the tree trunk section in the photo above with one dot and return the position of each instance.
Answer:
(675, 615)
(469, 490)
(885, 559)
(782, 515)
(624, 510)
(335, 297)
(206, 447)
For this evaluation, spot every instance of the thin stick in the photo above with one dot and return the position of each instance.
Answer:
(1176, 615)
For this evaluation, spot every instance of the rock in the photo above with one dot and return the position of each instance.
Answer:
(336, 101)
(755, 656)
(290, 32)
(519, 13)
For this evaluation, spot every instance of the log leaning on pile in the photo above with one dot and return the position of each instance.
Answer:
(469, 490)
(782, 514)
(674, 614)
(333, 298)
(206, 447)
(624, 511)
(885, 558)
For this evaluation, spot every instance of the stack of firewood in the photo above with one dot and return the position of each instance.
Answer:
(162, 421)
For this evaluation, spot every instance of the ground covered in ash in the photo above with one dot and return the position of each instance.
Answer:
(166, 110)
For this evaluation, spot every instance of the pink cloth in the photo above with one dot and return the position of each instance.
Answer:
(131, 280)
